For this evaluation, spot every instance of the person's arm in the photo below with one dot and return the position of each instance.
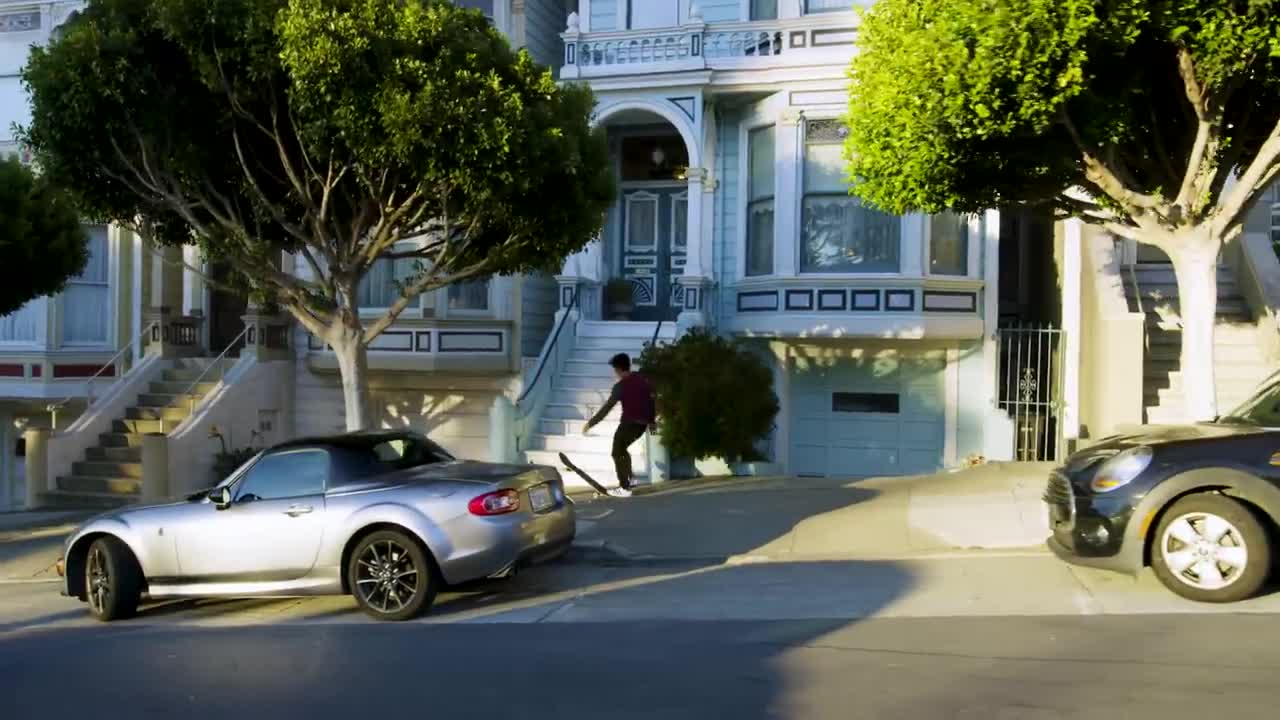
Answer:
(614, 397)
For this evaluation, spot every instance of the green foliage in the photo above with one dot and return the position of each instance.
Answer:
(335, 128)
(968, 104)
(42, 243)
(715, 398)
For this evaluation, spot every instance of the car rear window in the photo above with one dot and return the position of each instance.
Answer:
(392, 454)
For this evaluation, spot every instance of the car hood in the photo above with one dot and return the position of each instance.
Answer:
(1162, 434)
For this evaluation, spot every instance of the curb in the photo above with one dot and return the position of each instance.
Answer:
(602, 552)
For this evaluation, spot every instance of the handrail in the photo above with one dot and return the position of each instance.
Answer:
(222, 374)
(653, 341)
(542, 362)
(54, 407)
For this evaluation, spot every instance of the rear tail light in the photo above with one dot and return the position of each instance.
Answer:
(499, 502)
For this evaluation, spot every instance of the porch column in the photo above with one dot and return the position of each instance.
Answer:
(697, 277)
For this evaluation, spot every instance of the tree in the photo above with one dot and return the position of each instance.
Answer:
(42, 243)
(342, 131)
(1156, 120)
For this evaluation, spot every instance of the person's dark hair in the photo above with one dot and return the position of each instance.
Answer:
(621, 361)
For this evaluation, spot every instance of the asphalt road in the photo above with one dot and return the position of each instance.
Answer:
(1030, 668)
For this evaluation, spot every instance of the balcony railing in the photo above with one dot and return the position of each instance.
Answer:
(698, 46)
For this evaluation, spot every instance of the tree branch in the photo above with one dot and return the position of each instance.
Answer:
(1251, 184)
(1134, 203)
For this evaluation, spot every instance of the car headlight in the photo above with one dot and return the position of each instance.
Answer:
(1121, 469)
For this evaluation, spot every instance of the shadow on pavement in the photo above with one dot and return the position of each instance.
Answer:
(722, 657)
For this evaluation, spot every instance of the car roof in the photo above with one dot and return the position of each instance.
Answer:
(358, 439)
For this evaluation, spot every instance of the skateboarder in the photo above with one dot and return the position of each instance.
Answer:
(639, 412)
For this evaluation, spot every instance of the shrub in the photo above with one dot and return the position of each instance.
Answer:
(715, 398)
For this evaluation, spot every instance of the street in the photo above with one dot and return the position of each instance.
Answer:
(752, 599)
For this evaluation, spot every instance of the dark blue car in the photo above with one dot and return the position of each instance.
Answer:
(1198, 503)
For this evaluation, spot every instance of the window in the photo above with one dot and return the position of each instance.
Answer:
(380, 286)
(813, 7)
(764, 9)
(760, 201)
(680, 222)
(840, 234)
(20, 325)
(484, 6)
(285, 475)
(1275, 224)
(471, 295)
(390, 455)
(86, 302)
(948, 244)
(864, 402)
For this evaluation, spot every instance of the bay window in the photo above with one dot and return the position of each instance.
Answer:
(1275, 222)
(840, 234)
(948, 244)
(380, 286)
(760, 174)
(470, 296)
(86, 301)
(813, 7)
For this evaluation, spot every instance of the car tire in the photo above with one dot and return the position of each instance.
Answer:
(380, 570)
(1211, 548)
(112, 580)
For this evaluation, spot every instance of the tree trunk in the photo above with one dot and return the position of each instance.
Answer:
(1195, 265)
(353, 367)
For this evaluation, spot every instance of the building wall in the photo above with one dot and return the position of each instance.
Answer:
(538, 302)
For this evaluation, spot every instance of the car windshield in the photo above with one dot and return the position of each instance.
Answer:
(1262, 409)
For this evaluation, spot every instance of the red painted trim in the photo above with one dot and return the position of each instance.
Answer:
(81, 370)
(37, 370)
(12, 370)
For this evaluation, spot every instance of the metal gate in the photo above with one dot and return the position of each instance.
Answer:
(1030, 387)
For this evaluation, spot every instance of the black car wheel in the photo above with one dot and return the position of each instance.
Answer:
(112, 580)
(392, 578)
(1211, 548)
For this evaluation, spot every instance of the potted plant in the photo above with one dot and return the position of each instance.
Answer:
(620, 299)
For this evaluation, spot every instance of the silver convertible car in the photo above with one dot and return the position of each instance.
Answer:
(388, 517)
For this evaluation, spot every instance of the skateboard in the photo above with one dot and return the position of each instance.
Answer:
(564, 459)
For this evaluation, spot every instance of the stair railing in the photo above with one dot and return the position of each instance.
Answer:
(115, 360)
(552, 351)
(219, 363)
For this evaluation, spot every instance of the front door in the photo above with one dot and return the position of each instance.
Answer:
(272, 530)
(654, 240)
(226, 312)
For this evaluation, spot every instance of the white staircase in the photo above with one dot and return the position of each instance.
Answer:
(580, 388)
(1239, 365)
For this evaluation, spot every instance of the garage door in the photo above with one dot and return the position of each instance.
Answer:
(867, 416)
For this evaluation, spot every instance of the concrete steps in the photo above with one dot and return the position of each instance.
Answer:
(1238, 369)
(110, 474)
(579, 390)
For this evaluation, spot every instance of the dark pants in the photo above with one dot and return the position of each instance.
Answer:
(627, 433)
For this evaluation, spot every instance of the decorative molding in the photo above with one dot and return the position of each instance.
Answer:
(900, 300)
(765, 301)
(828, 37)
(790, 117)
(82, 370)
(455, 341)
(687, 105)
(954, 302)
(422, 341)
(10, 370)
(25, 21)
(393, 341)
(833, 300)
(865, 300)
(799, 299)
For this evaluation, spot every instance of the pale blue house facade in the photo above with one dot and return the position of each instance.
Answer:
(733, 212)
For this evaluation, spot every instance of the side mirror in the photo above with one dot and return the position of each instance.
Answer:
(220, 497)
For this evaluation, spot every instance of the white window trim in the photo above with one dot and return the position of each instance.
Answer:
(910, 225)
(414, 310)
(766, 112)
(973, 227)
(112, 284)
(636, 198)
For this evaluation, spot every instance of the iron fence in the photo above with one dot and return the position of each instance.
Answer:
(1030, 388)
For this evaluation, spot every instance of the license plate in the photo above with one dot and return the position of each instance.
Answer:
(540, 498)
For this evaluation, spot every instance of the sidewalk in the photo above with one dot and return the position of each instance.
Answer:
(993, 507)
(30, 543)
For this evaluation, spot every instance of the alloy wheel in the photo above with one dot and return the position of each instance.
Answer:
(98, 581)
(1204, 550)
(387, 578)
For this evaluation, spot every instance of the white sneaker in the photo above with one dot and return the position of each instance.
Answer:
(620, 492)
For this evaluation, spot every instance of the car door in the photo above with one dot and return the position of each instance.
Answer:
(271, 531)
